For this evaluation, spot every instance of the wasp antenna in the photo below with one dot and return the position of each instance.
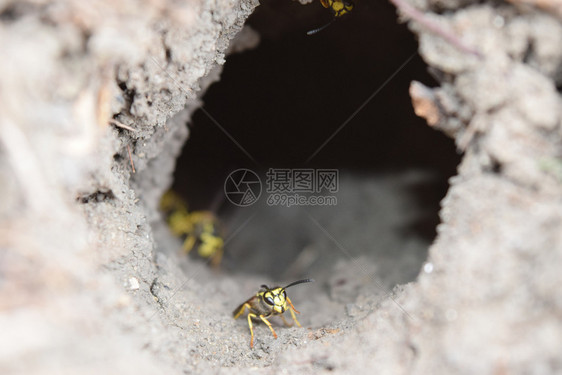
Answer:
(299, 282)
(265, 286)
(312, 32)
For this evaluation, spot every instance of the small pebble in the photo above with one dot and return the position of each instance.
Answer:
(133, 283)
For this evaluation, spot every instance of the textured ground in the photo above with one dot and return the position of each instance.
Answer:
(90, 278)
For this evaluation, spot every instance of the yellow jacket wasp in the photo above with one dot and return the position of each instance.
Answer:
(338, 7)
(266, 303)
(200, 228)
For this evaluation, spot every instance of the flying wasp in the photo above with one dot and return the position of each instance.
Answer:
(266, 303)
(200, 228)
(338, 7)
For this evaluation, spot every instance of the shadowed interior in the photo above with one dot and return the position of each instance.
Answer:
(337, 99)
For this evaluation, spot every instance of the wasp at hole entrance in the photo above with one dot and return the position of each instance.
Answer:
(338, 7)
(266, 303)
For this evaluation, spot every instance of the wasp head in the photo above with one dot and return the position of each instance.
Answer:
(275, 298)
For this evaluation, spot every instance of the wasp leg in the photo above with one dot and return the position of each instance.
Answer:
(285, 321)
(240, 310)
(216, 260)
(189, 243)
(250, 315)
(292, 307)
(269, 325)
(293, 313)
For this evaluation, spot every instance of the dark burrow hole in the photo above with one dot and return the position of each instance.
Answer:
(337, 100)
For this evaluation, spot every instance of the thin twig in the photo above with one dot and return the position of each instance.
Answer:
(131, 159)
(121, 125)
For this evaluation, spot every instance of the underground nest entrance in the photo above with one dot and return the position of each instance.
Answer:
(295, 112)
